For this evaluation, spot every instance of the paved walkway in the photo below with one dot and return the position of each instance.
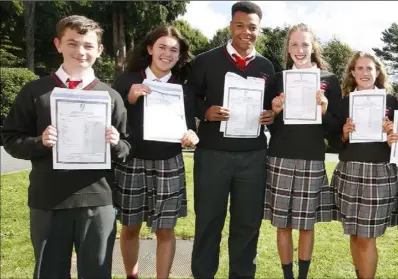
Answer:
(147, 259)
(10, 164)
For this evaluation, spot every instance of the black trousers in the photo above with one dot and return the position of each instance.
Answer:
(218, 174)
(92, 230)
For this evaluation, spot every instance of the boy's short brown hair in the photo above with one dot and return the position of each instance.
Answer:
(80, 24)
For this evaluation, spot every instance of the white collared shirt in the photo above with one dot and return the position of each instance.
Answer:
(375, 88)
(151, 76)
(314, 66)
(87, 78)
(231, 50)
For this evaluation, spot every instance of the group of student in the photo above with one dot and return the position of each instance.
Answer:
(285, 183)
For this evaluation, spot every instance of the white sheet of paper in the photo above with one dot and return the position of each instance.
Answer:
(367, 110)
(245, 106)
(394, 150)
(300, 88)
(244, 98)
(228, 76)
(81, 118)
(164, 112)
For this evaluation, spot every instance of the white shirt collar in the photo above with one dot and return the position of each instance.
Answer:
(151, 76)
(231, 50)
(314, 66)
(373, 88)
(87, 78)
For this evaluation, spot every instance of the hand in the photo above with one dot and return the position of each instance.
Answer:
(49, 136)
(348, 127)
(190, 139)
(217, 113)
(136, 91)
(278, 103)
(267, 117)
(112, 136)
(322, 100)
(391, 138)
(387, 125)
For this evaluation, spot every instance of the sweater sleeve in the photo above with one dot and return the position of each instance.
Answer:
(196, 82)
(119, 121)
(190, 100)
(20, 138)
(330, 120)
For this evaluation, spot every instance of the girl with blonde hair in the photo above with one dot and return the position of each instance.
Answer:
(297, 192)
(364, 181)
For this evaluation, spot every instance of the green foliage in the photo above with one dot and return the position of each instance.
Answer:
(274, 43)
(221, 37)
(104, 68)
(11, 83)
(7, 59)
(389, 52)
(337, 54)
(197, 41)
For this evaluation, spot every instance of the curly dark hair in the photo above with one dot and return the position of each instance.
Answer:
(247, 7)
(139, 59)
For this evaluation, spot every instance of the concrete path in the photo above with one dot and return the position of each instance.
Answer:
(10, 164)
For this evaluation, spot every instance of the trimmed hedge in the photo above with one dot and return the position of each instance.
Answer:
(11, 82)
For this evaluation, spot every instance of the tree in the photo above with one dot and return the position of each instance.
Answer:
(197, 41)
(11, 43)
(274, 42)
(29, 8)
(389, 52)
(337, 54)
(220, 38)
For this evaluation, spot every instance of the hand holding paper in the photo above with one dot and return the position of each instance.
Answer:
(217, 113)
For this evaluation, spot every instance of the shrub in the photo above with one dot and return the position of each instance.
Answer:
(11, 82)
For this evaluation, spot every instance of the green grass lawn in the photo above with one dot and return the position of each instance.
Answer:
(331, 258)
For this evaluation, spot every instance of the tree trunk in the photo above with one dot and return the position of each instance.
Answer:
(119, 38)
(29, 17)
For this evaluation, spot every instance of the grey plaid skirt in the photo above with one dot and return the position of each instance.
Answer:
(364, 195)
(394, 214)
(151, 191)
(298, 194)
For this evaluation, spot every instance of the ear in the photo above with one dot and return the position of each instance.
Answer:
(230, 26)
(352, 73)
(57, 44)
(150, 50)
(100, 50)
(377, 73)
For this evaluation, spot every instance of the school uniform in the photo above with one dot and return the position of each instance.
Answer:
(150, 185)
(224, 166)
(67, 207)
(364, 181)
(298, 193)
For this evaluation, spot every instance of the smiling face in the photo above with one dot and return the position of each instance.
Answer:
(300, 49)
(79, 51)
(165, 53)
(365, 73)
(245, 29)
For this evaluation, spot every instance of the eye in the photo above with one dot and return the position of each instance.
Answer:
(253, 28)
(162, 47)
(72, 44)
(239, 25)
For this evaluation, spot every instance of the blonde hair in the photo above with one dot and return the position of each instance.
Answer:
(349, 83)
(316, 56)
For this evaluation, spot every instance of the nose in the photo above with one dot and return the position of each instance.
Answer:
(81, 50)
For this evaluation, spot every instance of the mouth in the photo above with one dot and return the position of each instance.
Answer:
(165, 60)
(81, 60)
(364, 79)
(246, 40)
(300, 57)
